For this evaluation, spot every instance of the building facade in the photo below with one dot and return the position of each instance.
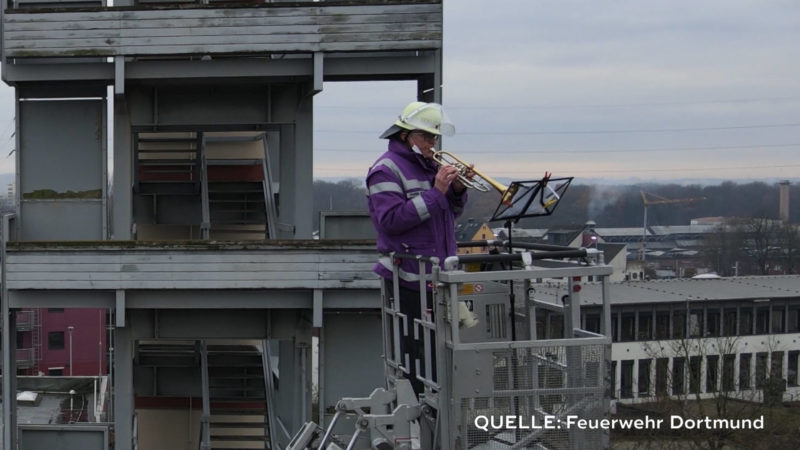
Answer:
(62, 342)
(164, 167)
(671, 338)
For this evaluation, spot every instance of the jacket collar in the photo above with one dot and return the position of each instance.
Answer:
(400, 149)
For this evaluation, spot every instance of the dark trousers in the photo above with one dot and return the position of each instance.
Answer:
(414, 348)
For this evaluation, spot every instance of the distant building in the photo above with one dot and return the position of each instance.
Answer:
(62, 342)
(695, 336)
(673, 250)
(473, 230)
(521, 234)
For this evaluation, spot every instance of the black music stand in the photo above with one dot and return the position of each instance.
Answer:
(531, 198)
(528, 199)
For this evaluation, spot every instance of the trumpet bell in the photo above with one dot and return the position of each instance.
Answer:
(479, 182)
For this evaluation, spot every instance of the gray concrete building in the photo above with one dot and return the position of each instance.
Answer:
(164, 169)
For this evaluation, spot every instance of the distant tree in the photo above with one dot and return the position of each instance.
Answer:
(763, 235)
(704, 386)
(722, 249)
(790, 252)
(607, 205)
(346, 195)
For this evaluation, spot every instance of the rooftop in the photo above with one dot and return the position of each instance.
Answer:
(681, 290)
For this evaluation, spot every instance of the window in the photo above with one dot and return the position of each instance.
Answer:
(729, 322)
(55, 340)
(645, 326)
(20, 339)
(745, 365)
(626, 379)
(662, 324)
(556, 326)
(745, 321)
(592, 323)
(696, 323)
(541, 329)
(761, 369)
(695, 366)
(644, 377)
(712, 322)
(762, 320)
(662, 375)
(728, 363)
(712, 372)
(678, 324)
(794, 320)
(776, 365)
(628, 329)
(777, 325)
(614, 328)
(55, 371)
(791, 372)
(613, 379)
(678, 367)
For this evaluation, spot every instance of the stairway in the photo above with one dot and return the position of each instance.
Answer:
(217, 185)
(155, 353)
(238, 399)
(237, 207)
(167, 163)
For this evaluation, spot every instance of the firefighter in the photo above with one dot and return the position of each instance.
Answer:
(414, 202)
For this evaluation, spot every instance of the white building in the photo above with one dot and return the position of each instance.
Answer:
(673, 337)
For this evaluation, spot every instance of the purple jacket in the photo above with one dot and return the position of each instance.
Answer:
(409, 213)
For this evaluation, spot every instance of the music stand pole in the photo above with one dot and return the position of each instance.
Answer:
(511, 296)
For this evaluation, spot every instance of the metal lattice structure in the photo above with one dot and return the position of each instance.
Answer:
(538, 383)
(500, 369)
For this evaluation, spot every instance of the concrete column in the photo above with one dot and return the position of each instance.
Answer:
(303, 178)
(123, 388)
(123, 173)
(9, 378)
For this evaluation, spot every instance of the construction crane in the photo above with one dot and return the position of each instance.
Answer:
(658, 200)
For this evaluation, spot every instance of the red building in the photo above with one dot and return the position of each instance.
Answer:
(57, 341)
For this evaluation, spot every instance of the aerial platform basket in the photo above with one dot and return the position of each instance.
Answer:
(498, 368)
(485, 360)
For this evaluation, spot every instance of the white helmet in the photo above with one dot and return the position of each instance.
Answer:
(429, 117)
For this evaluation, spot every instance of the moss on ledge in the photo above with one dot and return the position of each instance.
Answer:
(197, 245)
(49, 194)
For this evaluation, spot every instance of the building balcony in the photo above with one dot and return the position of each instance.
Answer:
(25, 358)
(156, 29)
(267, 274)
(26, 320)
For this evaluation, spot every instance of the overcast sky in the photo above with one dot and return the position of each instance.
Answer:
(598, 89)
(594, 89)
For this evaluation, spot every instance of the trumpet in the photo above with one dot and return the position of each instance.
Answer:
(479, 182)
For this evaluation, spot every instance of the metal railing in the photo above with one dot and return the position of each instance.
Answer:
(266, 362)
(205, 418)
(502, 370)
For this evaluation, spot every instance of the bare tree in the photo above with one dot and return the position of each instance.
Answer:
(790, 240)
(750, 246)
(685, 392)
(763, 235)
(723, 248)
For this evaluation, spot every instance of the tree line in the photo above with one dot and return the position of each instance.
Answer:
(753, 246)
(608, 206)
